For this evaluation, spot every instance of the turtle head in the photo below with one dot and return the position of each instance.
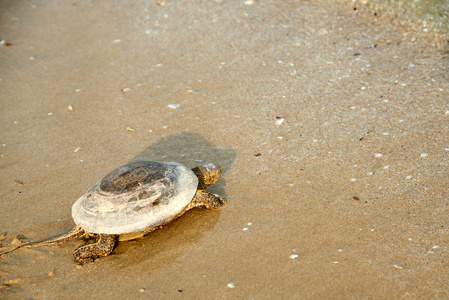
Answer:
(207, 174)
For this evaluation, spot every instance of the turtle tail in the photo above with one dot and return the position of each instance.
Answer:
(76, 232)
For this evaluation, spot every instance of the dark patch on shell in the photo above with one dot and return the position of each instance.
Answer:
(128, 178)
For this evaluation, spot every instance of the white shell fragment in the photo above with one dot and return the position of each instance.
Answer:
(135, 196)
(70, 107)
(231, 285)
(78, 149)
(173, 106)
(279, 120)
(398, 266)
(293, 256)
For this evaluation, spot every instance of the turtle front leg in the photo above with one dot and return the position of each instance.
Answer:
(102, 247)
(205, 199)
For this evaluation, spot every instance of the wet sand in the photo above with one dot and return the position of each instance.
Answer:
(331, 125)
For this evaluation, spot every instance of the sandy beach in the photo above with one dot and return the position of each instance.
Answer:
(331, 124)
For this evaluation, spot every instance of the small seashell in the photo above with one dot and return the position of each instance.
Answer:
(173, 106)
(130, 129)
(78, 149)
(231, 285)
(279, 120)
(398, 266)
(125, 90)
(293, 256)
(70, 107)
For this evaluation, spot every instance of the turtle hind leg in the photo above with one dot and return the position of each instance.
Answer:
(205, 199)
(102, 247)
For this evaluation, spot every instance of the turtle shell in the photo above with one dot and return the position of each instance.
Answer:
(134, 197)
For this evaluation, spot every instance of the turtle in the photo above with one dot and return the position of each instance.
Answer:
(134, 200)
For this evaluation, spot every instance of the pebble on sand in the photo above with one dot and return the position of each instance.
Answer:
(70, 107)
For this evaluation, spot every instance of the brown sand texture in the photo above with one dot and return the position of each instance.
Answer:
(331, 125)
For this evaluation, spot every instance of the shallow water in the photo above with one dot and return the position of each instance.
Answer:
(431, 14)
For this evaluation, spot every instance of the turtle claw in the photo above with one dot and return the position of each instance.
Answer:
(82, 261)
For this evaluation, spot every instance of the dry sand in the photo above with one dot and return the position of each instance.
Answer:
(353, 180)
